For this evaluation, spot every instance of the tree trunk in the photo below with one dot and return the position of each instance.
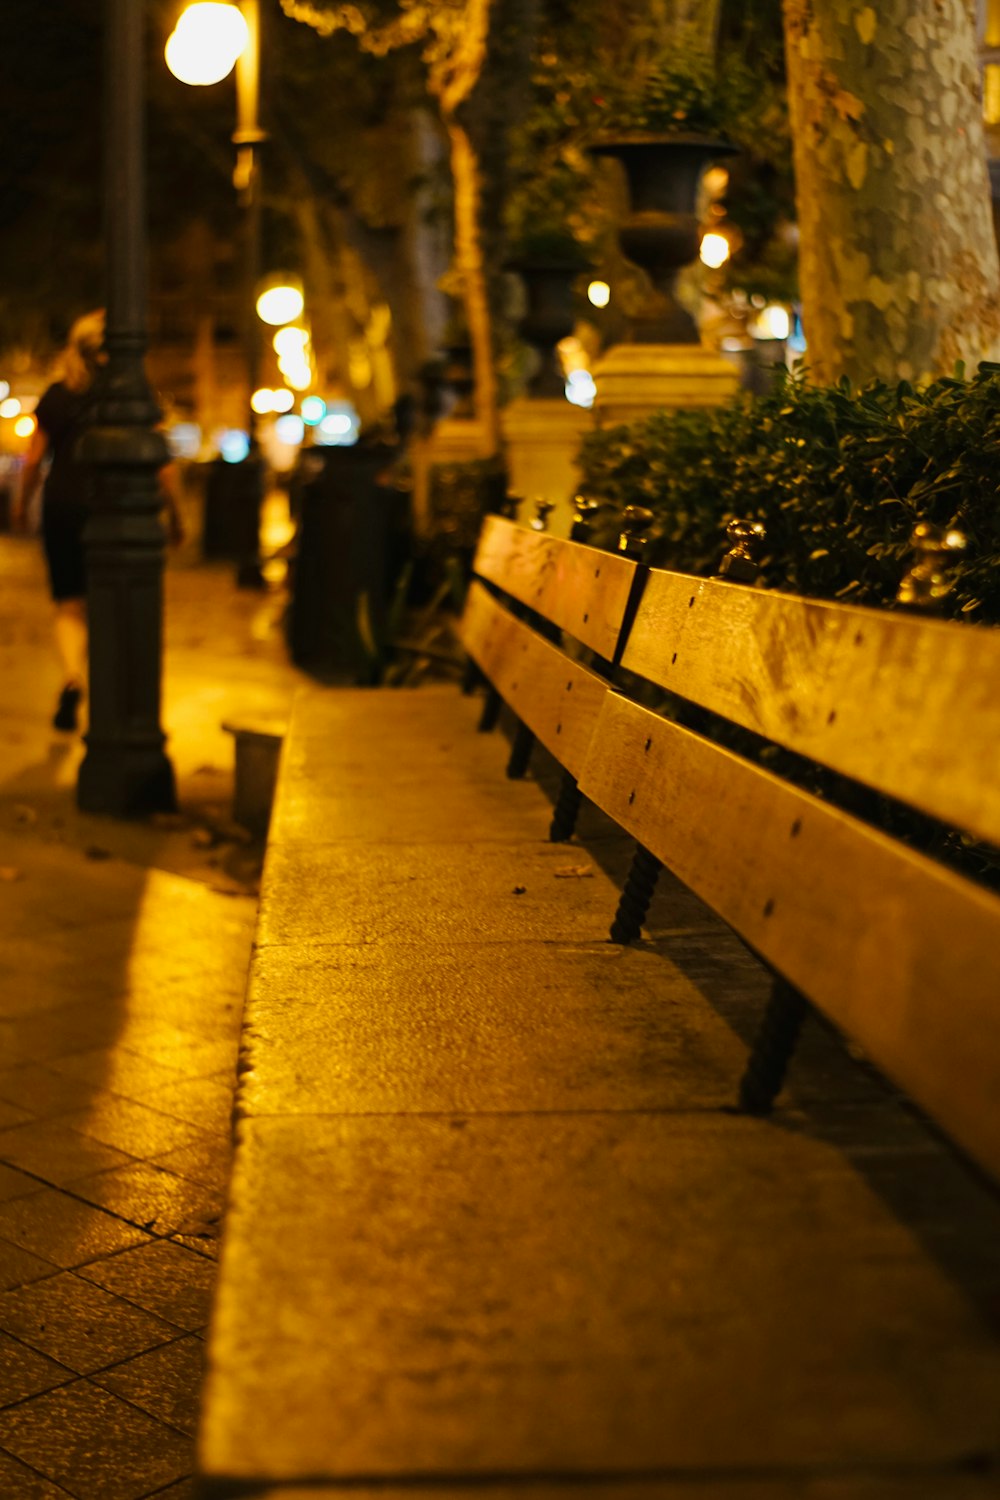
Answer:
(475, 297)
(898, 260)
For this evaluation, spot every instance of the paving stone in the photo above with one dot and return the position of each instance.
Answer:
(25, 1372)
(539, 1293)
(205, 1102)
(157, 1201)
(206, 1160)
(21, 1483)
(18, 1267)
(132, 1127)
(80, 1325)
(166, 1382)
(184, 1489)
(162, 1277)
(41, 1091)
(523, 1026)
(14, 1184)
(55, 1152)
(99, 1447)
(432, 893)
(60, 1229)
(71, 1028)
(117, 1070)
(206, 1242)
(11, 1115)
(885, 1486)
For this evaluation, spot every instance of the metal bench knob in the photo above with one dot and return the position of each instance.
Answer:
(741, 563)
(583, 521)
(928, 580)
(541, 521)
(635, 523)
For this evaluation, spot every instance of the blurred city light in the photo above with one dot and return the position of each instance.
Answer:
(280, 304)
(262, 401)
(207, 40)
(282, 400)
(10, 408)
(714, 250)
(599, 293)
(289, 429)
(290, 343)
(4, 390)
(580, 388)
(24, 426)
(773, 323)
(340, 427)
(184, 439)
(313, 410)
(234, 446)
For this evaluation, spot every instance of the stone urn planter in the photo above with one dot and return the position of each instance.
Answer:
(549, 316)
(661, 231)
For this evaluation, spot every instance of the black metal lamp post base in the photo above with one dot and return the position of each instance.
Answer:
(125, 781)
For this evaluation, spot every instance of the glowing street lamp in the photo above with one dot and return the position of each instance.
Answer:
(280, 304)
(599, 293)
(205, 44)
(715, 250)
(207, 41)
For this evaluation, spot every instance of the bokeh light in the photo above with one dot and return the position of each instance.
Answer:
(207, 40)
(599, 293)
(280, 304)
(234, 445)
(714, 250)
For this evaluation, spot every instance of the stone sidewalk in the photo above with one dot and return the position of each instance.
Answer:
(123, 956)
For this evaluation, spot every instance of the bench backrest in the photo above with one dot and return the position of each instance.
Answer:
(899, 951)
(564, 589)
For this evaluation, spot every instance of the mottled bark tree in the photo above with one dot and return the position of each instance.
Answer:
(898, 263)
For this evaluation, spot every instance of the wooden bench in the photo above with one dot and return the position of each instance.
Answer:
(894, 718)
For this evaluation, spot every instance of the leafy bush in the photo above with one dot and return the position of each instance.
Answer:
(839, 478)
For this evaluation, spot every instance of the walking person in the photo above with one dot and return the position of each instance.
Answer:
(60, 416)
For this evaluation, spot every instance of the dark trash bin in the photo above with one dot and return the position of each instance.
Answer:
(231, 515)
(351, 543)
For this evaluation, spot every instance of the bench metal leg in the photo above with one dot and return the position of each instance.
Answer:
(520, 752)
(471, 678)
(773, 1048)
(565, 812)
(636, 896)
(491, 711)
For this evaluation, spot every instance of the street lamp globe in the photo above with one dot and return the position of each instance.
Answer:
(207, 40)
(280, 304)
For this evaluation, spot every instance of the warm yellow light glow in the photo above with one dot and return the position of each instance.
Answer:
(280, 304)
(24, 426)
(282, 400)
(300, 378)
(599, 293)
(10, 408)
(206, 42)
(262, 401)
(290, 342)
(773, 323)
(714, 251)
(715, 181)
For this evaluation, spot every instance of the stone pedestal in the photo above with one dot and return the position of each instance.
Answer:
(542, 438)
(634, 380)
(454, 440)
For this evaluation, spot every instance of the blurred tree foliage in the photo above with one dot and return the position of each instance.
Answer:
(839, 478)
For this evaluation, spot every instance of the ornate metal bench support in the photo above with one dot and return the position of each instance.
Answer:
(773, 1048)
(471, 678)
(636, 896)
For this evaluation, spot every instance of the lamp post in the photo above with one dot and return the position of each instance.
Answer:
(206, 43)
(125, 769)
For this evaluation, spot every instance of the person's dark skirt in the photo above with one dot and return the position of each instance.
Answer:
(62, 536)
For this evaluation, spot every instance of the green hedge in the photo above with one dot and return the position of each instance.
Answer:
(839, 478)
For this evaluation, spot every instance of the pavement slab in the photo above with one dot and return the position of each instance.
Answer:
(528, 1246)
(122, 967)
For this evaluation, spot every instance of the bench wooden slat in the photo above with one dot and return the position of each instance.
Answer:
(908, 706)
(558, 699)
(581, 590)
(897, 951)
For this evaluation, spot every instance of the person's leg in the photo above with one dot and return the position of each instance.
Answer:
(71, 640)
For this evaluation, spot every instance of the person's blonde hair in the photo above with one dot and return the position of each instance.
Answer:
(80, 357)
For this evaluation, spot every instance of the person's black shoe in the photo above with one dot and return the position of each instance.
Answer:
(69, 703)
